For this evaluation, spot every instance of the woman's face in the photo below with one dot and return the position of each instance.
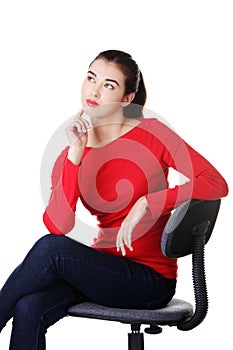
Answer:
(103, 90)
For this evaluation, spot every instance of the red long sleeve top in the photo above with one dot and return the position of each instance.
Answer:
(112, 177)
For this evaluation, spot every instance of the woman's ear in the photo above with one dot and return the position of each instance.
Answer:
(127, 99)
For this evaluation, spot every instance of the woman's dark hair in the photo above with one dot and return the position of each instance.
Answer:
(133, 80)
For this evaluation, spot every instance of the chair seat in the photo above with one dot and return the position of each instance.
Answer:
(176, 311)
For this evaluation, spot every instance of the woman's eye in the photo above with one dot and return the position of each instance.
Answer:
(109, 86)
(91, 79)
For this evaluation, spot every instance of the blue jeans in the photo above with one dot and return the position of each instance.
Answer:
(59, 272)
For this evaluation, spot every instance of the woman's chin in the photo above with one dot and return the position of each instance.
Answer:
(103, 111)
(93, 111)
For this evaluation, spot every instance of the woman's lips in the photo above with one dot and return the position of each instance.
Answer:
(92, 103)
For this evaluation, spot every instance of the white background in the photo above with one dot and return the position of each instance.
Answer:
(184, 49)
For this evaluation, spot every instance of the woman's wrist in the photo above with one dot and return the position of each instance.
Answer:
(75, 155)
(144, 202)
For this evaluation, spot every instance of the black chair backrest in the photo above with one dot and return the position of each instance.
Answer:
(192, 218)
(187, 231)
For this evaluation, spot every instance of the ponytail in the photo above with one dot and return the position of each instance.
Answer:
(135, 109)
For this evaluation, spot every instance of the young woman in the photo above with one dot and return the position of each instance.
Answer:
(117, 165)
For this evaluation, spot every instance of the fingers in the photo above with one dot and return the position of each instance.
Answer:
(81, 124)
(124, 236)
(124, 239)
(77, 130)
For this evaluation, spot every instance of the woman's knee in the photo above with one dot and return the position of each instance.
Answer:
(51, 244)
(48, 244)
(45, 307)
(27, 310)
(31, 313)
(50, 240)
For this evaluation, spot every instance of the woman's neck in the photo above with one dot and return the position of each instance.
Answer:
(105, 131)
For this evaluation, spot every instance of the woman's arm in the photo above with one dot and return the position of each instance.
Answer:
(59, 216)
(204, 181)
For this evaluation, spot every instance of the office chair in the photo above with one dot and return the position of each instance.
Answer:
(186, 232)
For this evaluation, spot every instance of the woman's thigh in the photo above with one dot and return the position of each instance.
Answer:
(104, 278)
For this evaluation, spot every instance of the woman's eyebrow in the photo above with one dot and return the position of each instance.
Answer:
(112, 80)
(92, 73)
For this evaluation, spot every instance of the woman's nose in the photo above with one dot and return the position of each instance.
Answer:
(96, 92)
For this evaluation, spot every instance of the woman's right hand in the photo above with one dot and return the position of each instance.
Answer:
(77, 133)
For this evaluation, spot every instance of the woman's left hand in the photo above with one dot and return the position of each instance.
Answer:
(124, 236)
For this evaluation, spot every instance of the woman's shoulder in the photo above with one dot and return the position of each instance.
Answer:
(160, 130)
(156, 126)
